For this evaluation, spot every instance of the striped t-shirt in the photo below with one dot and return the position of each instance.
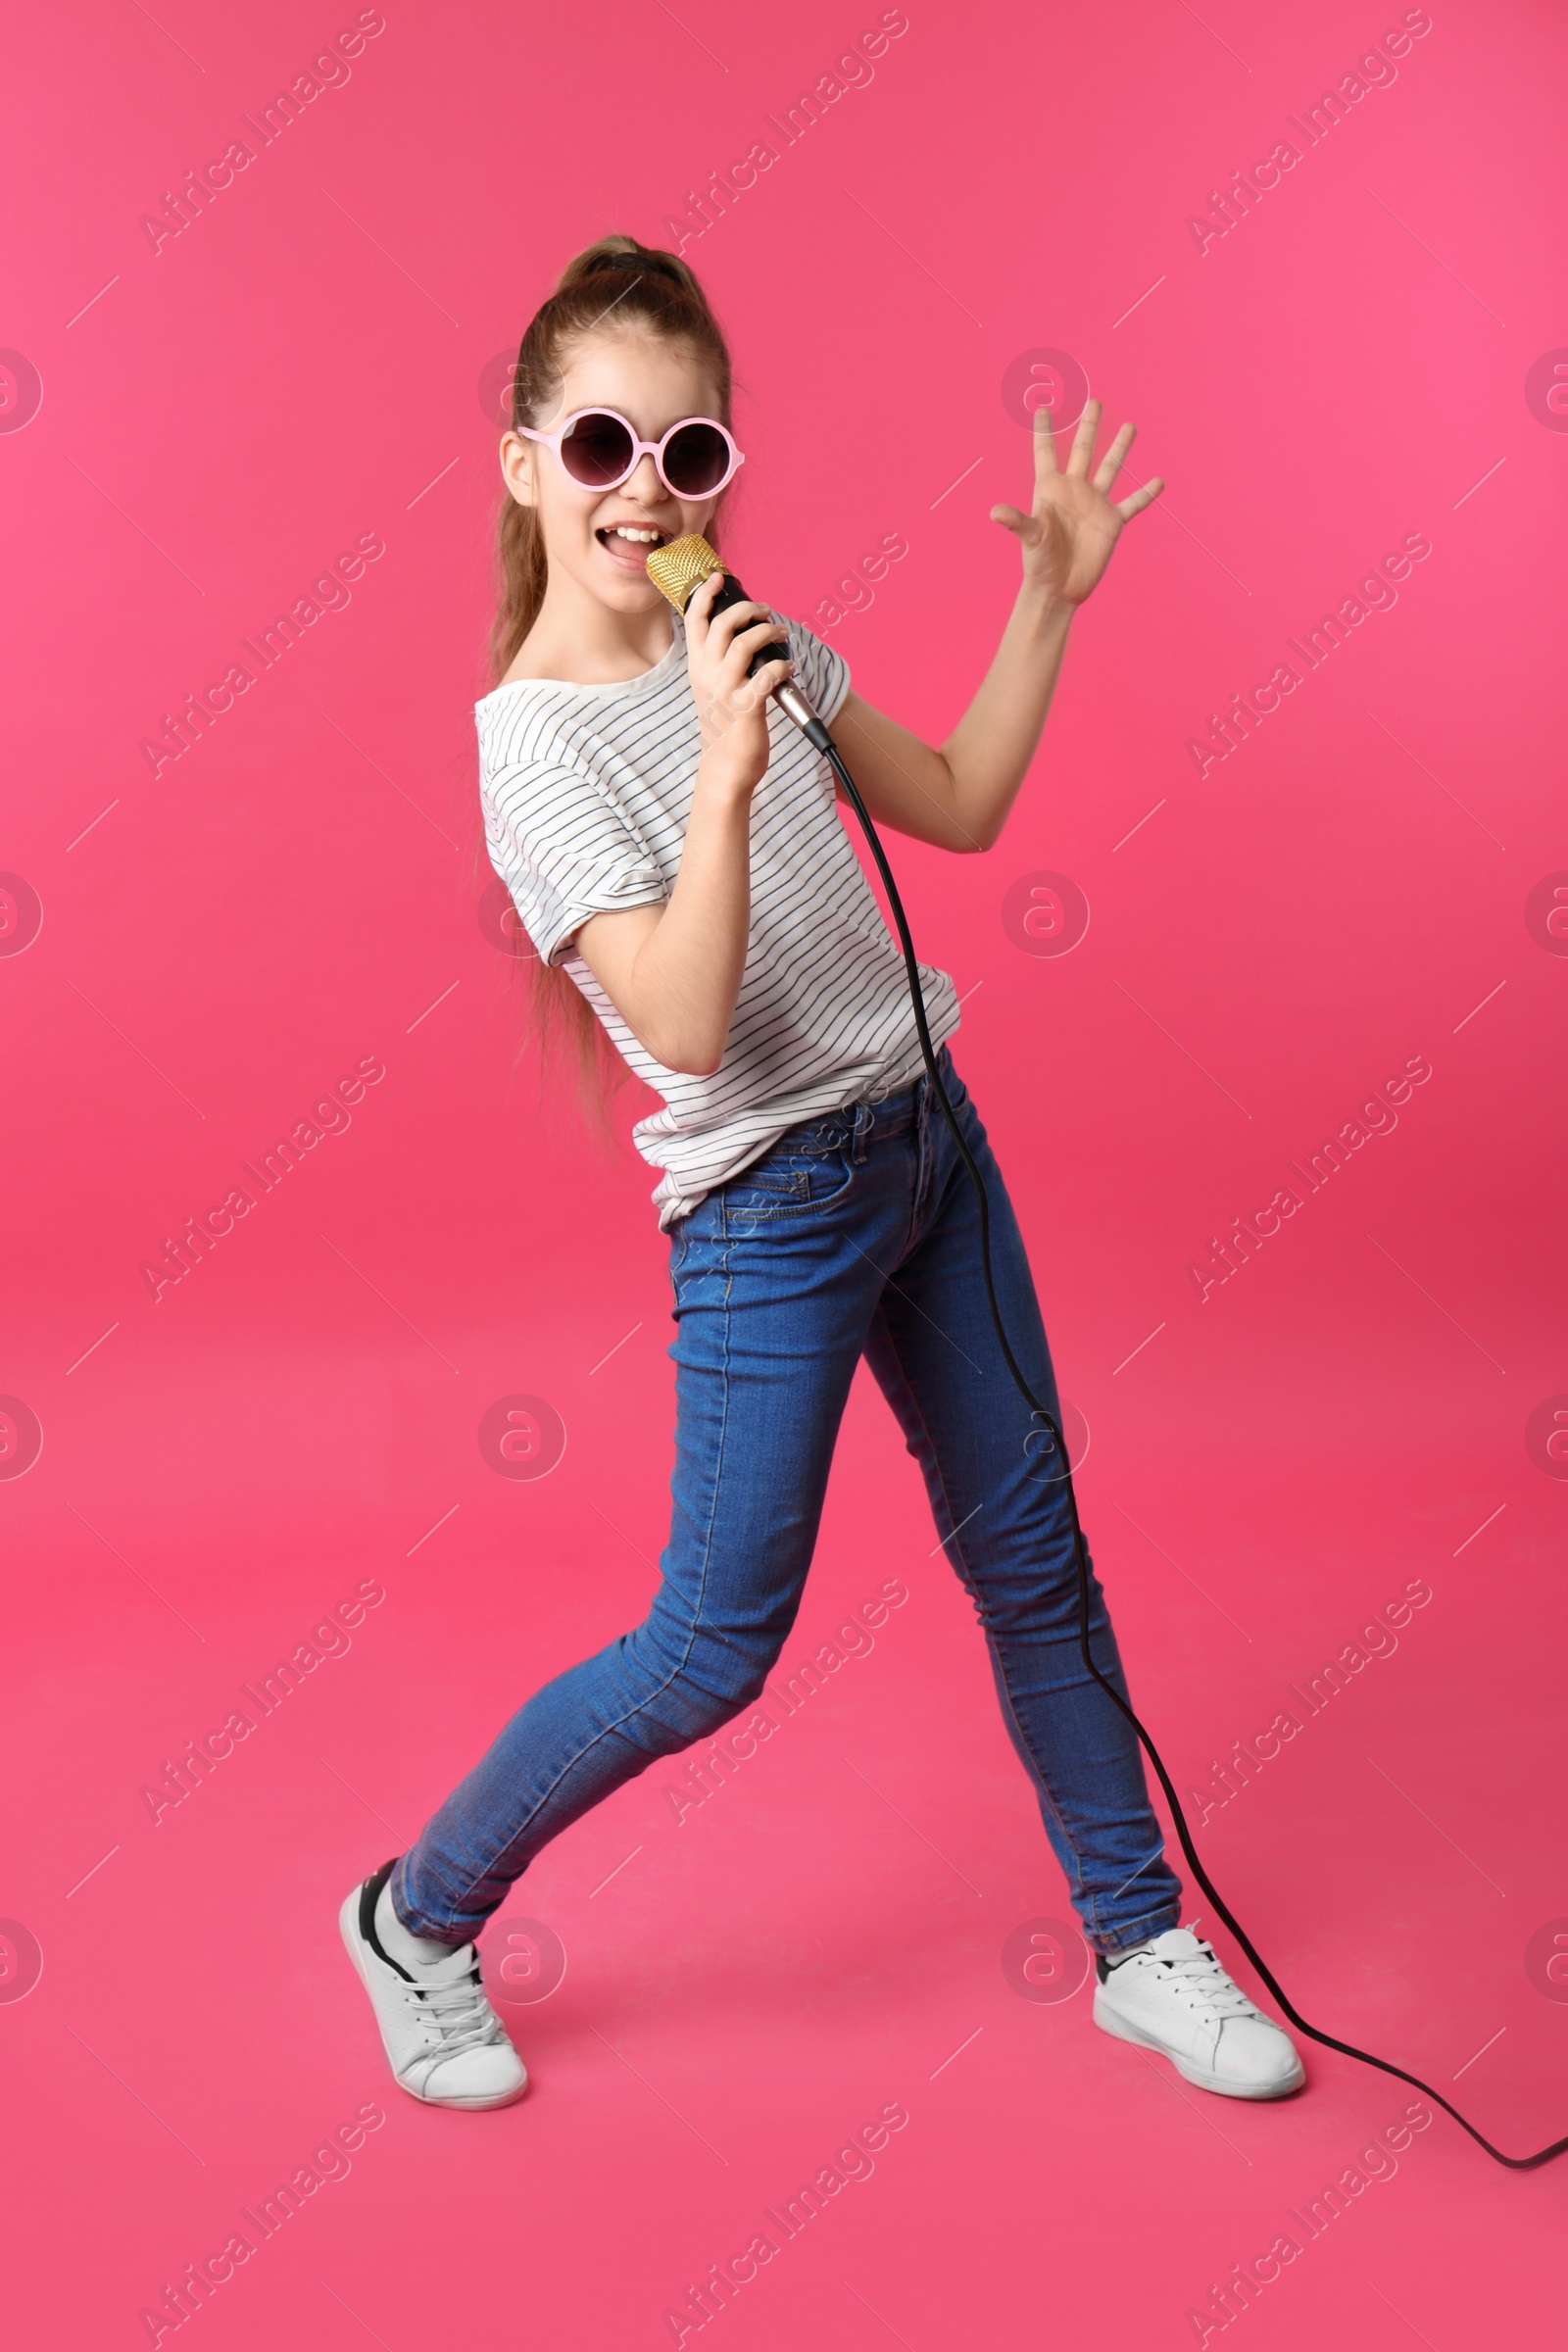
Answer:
(586, 793)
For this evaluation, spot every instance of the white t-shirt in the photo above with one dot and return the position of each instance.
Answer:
(586, 793)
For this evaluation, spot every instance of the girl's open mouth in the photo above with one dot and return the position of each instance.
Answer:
(630, 545)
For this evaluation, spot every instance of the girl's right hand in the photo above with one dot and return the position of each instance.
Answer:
(731, 707)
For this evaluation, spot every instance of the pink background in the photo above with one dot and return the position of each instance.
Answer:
(298, 368)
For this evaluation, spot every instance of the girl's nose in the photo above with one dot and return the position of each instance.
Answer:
(643, 484)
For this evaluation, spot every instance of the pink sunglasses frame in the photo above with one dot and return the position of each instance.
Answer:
(640, 448)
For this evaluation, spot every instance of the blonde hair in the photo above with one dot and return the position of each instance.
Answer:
(657, 291)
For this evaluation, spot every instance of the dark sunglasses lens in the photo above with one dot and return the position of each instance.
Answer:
(696, 460)
(597, 450)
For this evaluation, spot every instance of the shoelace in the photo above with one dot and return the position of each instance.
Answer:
(1203, 1983)
(464, 2017)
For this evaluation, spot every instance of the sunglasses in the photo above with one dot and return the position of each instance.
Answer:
(599, 450)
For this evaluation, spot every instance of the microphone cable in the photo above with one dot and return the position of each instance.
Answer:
(676, 569)
(817, 734)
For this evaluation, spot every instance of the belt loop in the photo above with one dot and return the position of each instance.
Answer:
(863, 1115)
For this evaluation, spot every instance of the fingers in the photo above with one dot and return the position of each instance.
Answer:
(727, 663)
(735, 619)
(751, 638)
(746, 622)
(699, 604)
(772, 674)
(1045, 443)
(1115, 457)
(738, 697)
(1083, 440)
(1009, 518)
(1127, 508)
(745, 648)
(744, 691)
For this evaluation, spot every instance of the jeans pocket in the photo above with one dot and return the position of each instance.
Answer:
(787, 1183)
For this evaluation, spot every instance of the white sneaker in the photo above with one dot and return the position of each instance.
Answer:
(445, 2042)
(1172, 1995)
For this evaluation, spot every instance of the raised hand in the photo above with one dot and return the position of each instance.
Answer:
(1066, 537)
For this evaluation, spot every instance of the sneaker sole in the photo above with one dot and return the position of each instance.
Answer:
(348, 1921)
(1109, 2022)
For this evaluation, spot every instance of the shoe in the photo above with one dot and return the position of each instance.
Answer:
(445, 2042)
(1172, 1995)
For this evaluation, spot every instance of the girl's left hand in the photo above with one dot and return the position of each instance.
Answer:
(1067, 538)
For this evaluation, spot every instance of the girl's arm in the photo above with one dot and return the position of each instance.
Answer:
(673, 972)
(958, 794)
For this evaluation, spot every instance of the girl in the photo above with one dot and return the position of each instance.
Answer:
(673, 846)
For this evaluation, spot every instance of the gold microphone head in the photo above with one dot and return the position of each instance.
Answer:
(679, 568)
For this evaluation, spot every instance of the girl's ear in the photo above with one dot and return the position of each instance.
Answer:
(518, 468)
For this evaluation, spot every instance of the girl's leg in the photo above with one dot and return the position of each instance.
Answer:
(1000, 1508)
(773, 1304)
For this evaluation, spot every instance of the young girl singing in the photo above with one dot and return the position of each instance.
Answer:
(674, 848)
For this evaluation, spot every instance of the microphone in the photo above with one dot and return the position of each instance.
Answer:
(679, 569)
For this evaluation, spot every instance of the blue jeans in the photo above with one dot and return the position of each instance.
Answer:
(856, 1235)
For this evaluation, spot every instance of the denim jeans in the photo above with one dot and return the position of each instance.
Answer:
(856, 1235)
